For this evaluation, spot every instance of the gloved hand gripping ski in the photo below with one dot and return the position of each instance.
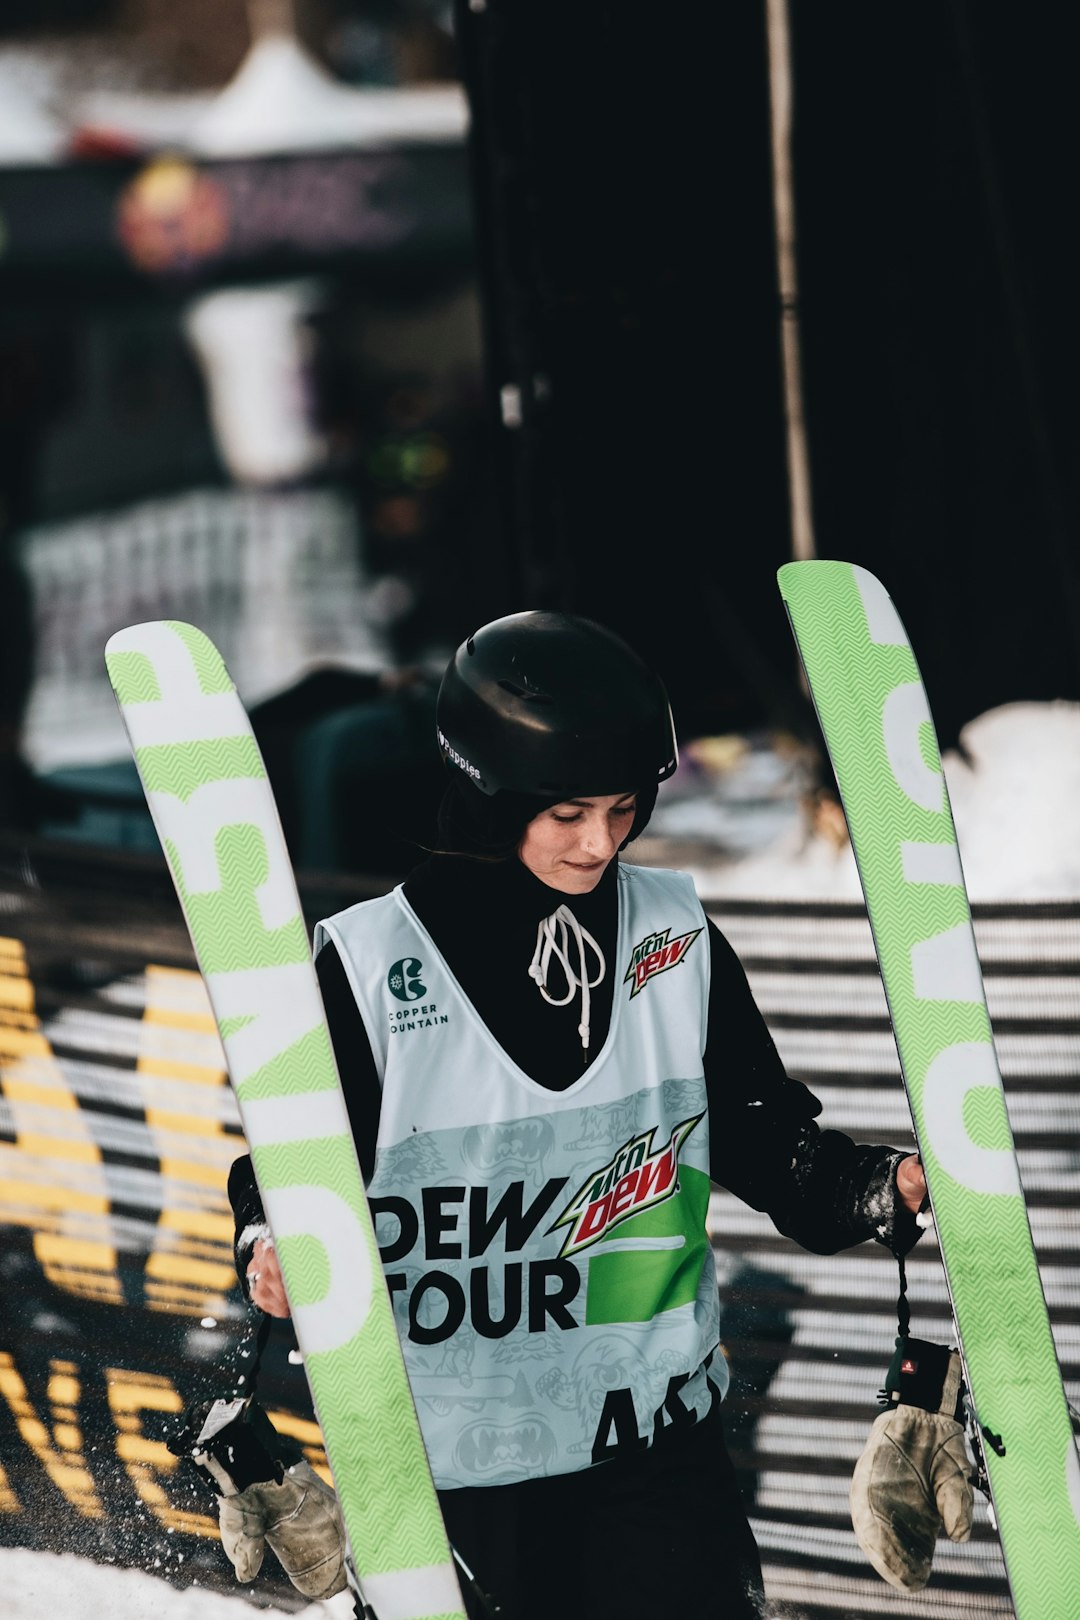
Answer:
(265, 1497)
(914, 1478)
(268, 1494)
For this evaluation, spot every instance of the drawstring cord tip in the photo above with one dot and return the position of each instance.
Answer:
(553, 936)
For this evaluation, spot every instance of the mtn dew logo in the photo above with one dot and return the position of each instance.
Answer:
(634, 1180)
(655, 954)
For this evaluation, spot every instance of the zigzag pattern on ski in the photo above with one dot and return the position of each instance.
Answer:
(1004, 1320)
(132, 677)
(210, 669)
(249, 944)
(180, 768)
(361, 1391)
(837, 672)
(246, 942)
(370, 1425)
(305, 1068)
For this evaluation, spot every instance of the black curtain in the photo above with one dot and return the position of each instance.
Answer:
(623, 199)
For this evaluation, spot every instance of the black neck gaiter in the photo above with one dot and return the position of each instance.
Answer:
(483, 915)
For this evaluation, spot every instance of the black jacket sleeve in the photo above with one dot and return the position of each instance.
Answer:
(360, 1088)
(249, 1218)
(818, 1187)
(352, 1049)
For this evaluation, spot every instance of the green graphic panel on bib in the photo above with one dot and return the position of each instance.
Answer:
(207, 790)
(876, 720)
(657, 1260)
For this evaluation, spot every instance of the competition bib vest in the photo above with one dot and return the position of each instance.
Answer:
(546, 1252)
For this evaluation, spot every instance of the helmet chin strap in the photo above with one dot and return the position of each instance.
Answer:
(553, 939)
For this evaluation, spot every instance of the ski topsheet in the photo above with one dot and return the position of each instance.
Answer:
(876, 721)
(214, 811)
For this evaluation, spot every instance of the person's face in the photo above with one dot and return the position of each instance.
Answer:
(569, 846)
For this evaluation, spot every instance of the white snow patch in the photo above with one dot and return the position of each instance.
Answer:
(36, 1583)
(1015, 800)
(255, 1232)
(1017, 805)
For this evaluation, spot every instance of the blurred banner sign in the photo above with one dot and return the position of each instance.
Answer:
(172, 216)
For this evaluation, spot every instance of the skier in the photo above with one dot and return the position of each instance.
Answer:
(547, 1055)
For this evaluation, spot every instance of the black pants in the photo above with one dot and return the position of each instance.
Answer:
(661, 1534)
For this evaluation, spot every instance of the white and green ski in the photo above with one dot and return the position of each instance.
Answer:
(214, 811)
(876, 721)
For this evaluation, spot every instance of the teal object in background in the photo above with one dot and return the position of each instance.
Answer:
(876, 721)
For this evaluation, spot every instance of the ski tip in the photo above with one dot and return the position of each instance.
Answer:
(819, 567)
(813, 567)
(151, 633)
(819, 585)
(796, 577)
(137, 655)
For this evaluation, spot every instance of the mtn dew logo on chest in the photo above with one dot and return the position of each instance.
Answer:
(655, 954)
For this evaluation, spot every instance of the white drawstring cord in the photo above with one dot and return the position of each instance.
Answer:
(564, 923)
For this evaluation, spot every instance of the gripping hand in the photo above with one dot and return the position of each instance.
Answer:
(264, 1500)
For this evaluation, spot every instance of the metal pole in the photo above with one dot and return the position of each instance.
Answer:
(778, 36)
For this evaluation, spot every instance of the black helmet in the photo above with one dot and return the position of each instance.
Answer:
(551, 705)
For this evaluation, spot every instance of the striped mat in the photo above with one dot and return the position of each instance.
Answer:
(810, 1337)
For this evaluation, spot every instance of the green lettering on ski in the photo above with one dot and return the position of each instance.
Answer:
(214, 812)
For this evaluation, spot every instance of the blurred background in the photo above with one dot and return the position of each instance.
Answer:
(339, 327)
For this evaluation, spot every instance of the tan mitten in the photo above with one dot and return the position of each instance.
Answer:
(913, 1480)
(299, 1518)
(265, 1497)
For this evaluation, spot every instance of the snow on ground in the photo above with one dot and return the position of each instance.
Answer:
(36, 1584)
(1015, 791)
